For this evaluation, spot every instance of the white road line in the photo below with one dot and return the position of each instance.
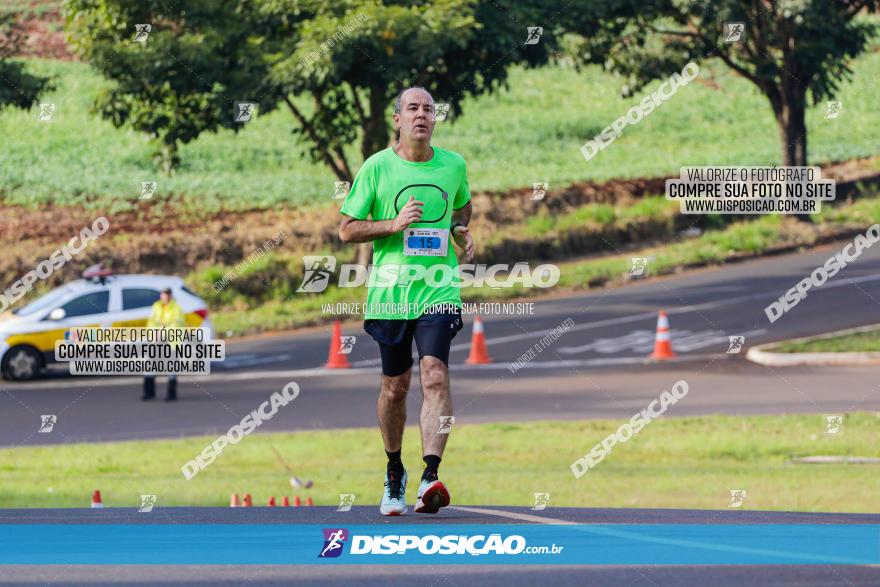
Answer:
(643, 340)
(513, 515)
(769, 296)
(320, 372)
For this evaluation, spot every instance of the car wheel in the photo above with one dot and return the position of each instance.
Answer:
(21, 363)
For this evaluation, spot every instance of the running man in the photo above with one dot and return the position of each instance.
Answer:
(414, 195)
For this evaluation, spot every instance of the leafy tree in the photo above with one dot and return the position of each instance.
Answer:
(336, 66)
(184, 77)
(788, 48)
(17, 87)
(452, 48)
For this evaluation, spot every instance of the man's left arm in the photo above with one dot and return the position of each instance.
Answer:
(461, 217)
(461, 234)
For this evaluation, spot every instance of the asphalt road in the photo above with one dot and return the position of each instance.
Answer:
(596, 369)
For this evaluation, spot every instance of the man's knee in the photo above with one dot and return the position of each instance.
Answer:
(395, 388)
(434, 375)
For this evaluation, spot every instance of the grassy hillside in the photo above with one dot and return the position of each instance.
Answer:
(511, 139)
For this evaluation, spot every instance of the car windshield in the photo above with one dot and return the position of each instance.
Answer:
(44, 302)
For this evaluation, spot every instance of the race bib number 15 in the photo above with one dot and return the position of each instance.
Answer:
(421, 242)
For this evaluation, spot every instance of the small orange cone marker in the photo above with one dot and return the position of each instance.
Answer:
(285, 502)
(335, 359)
(296, 501)
(248, 502)
(96, 499)
(271, 503)
(479, 355)
(309, 501)
(234, 502)
(662, 343)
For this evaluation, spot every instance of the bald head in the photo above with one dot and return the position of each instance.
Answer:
(414, 115)
(399, 102)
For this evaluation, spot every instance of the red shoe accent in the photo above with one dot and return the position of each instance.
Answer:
(436, 496)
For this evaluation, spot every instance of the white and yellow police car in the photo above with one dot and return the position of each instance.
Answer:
(28, 334)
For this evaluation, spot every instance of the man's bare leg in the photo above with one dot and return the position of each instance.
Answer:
(436, 406)
(436, 402)
(391, 409)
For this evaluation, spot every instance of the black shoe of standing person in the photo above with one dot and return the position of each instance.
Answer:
(149, 389)
(172, 390)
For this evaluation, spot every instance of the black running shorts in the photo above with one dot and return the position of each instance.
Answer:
(433, 332)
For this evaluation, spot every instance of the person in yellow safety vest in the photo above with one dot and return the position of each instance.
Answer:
(166, 313)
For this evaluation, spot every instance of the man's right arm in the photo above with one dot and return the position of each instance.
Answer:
(352, 230)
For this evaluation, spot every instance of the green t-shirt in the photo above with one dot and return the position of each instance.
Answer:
(382, 187)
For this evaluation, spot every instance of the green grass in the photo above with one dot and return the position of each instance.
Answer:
(673, 463)
(510, 139)
(598, 216)
(848, 343)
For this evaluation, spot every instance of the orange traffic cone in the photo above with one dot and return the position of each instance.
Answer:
(248, 502)
(234, 502)
(662, 343)
(479, 355)
(96, 499)
(296, 501)
(337, 360)
(285, 502)
(271, 503)
(309, 501)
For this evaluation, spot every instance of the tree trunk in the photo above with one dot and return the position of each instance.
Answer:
(375, 128)
(376, 125)
(790, 111)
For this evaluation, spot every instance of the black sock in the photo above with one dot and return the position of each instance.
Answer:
(432, 463)
(394, 462)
